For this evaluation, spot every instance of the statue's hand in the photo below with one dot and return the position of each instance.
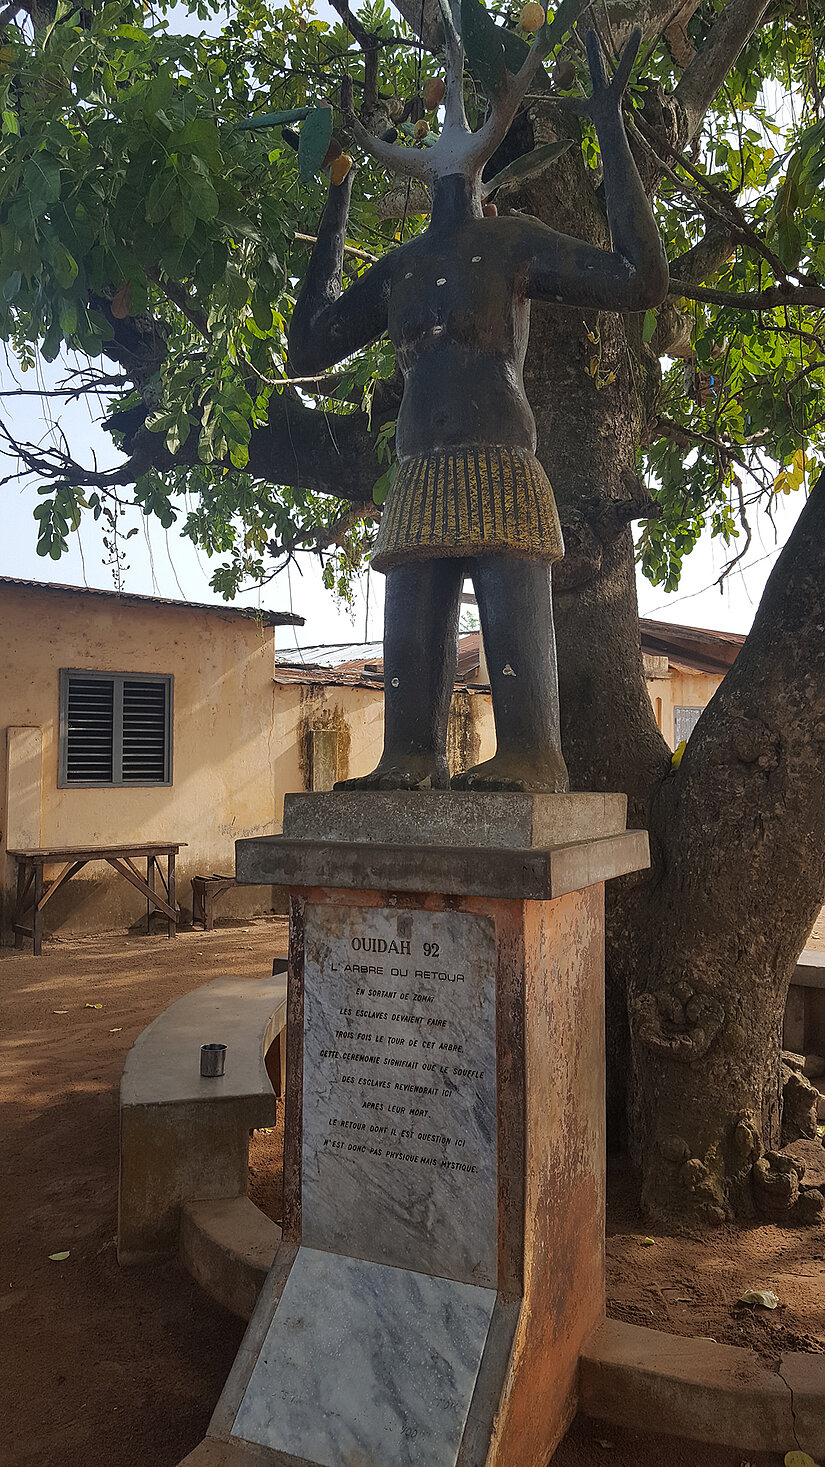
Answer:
(605, 102)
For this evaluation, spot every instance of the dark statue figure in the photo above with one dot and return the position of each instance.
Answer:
(469, 497)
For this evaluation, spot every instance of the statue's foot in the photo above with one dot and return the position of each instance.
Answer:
(408, 772)
(525, 775)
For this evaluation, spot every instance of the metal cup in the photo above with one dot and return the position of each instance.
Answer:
(213, 1060)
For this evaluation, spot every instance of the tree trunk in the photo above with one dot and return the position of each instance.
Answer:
(739, 832)
(701, 949)
(588, 430)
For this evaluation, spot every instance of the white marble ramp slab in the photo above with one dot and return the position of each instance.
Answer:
(366, 1366)
(399, 1091)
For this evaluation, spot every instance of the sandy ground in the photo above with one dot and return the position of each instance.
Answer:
(108, 1367)
(691, 1284)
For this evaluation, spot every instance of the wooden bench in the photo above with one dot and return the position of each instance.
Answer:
(804, 1023)
(205, 892)
(182, 1137)
(33, 891)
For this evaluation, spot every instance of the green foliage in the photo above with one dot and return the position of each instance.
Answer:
(152, 177)
(750, 397)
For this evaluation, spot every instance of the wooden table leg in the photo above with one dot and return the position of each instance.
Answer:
(37, 915)
(19, 907)
(170, 892)
(150, 881)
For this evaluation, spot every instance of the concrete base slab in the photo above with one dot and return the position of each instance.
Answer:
(804, 1375)
(453, 818)
(647, 1380)
(227, 1454)
(364, 1363)
(228, 1247)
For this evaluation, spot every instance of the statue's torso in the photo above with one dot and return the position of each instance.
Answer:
(459, 321)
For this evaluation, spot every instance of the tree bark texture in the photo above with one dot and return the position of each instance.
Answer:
(700, 951)
(739, 836)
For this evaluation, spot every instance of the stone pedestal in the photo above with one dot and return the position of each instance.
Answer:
(443, 1253)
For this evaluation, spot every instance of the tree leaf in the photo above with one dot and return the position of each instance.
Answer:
(484, 47)
(59, 1257)
(122, 302)
(12, 285)
(765, 1298)
(41, 180)
(316, 132)
(163, 195)
(197, 192)
(261, 312)
(65, 267)
(649, 328)
(527, 165)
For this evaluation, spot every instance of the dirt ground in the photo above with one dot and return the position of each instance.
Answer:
(108, 1367)
(691, 1284)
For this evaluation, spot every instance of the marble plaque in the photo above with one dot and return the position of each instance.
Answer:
(399, 1098)
(366, 1365)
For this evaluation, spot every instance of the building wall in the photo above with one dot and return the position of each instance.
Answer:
(223, 744)
(679, 689)
(354, 716)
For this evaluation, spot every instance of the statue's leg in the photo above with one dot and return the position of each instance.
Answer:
(516, 610)
(420, 625)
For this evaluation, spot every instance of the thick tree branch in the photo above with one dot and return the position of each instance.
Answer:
(707, 256)
(764, 732)
(689, 438)
(706, 74)
(424, 18)
(180, 297)
(714, 202)
(307, 448)
(756, 300)
(322, 538)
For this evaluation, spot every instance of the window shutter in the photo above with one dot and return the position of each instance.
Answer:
(144, 731)
(90, 731)
(115, 729)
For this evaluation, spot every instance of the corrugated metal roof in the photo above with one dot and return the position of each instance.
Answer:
(129, 598)
(352, 664)
(694, 648)
(333, 654)
(342, 669)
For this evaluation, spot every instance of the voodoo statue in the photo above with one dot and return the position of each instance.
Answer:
(469, 497)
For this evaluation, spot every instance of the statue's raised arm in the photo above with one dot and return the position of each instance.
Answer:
(634, 276)
(328, 326)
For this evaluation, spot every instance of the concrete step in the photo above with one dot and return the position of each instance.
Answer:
(228, 1247)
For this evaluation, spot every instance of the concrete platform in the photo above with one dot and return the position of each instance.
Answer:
(453, 818)
(228, 1247)
(183, 1138)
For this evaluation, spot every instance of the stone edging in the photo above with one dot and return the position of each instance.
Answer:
(647, 1380)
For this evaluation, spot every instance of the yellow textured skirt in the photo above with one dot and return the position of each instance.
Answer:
(469, 502)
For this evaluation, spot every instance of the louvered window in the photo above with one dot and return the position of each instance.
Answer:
(115, 728)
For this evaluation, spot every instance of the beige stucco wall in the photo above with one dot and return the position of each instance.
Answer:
(680, 690)
(356, 714)
(223, 742)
